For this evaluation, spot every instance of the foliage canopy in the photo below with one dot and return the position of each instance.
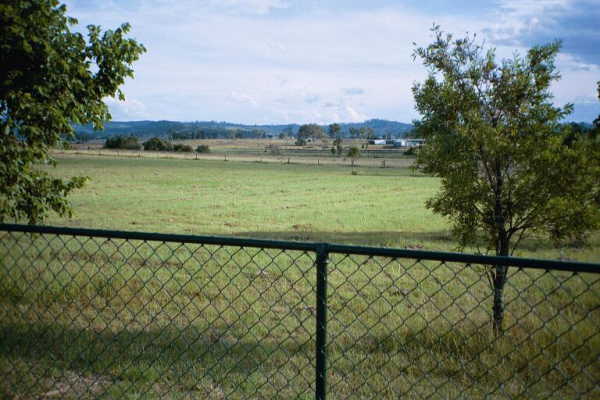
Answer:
(157, 144)
(50, 78)
(353, 152)
(311, 131)
(495, 139)
(123, 142)
(333, 130)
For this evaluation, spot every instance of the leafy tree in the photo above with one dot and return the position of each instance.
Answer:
(353, 152)
(337, 143)
(575, 131)
(122, 142)
(493, 137)
(334, 130)
(157, 144)
(414, 132)
(182, 148)
(311, 131)
(203, 148)
(366, 133)
(50, 78)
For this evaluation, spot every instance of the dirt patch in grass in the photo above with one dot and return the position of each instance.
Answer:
(73, 385)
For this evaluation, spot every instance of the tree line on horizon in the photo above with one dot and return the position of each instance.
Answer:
(222, 130)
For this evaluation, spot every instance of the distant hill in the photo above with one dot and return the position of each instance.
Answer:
(213, 129)
(381, 127)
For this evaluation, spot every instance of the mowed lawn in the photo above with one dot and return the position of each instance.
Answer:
(378, 207)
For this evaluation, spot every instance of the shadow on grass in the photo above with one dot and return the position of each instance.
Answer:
(380, 238)
(434, 240)
(36, 359)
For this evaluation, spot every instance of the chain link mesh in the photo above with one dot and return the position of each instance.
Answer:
(423, 329)
(94, 317)
(102, 318)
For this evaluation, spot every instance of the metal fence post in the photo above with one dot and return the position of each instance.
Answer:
(321, 328)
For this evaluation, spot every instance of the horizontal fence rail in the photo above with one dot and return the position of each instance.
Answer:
(301, 158)
(110, 314)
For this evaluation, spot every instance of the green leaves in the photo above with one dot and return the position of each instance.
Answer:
(311, 131)
(495, 138)
(47, 83)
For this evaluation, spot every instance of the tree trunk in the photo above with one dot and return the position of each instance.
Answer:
(502, 246)
(498, 307)
(502, 249)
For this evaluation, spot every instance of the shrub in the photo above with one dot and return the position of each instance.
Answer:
(112, 143)
(122, 142)
(300, 142)
(157, 144)
(203, 148)
(353, 152)
(183, 148)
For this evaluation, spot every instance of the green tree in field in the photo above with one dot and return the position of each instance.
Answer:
(50, 78)
(334, 130)
(493, 137)
(337, 146)
(366, 133)
(157, 144)
(353, 152)
(311, 131)
(123, 142)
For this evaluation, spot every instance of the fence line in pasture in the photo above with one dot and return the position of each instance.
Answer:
(267, 158)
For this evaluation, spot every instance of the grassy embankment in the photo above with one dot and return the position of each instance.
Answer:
(132, 320)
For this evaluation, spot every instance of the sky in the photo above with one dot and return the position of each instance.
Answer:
(302, 61)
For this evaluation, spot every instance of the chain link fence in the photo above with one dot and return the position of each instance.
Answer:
(100, 314)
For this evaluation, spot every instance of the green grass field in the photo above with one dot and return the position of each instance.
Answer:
(379, 207)
(127, 319)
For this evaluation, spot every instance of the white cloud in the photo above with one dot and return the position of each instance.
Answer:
(129, 109)
(243, 98)
(241, 61)
(249, 6)
(578, 80)
(527, 23)
(353, 115)
(515, 19)
(354, 91)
